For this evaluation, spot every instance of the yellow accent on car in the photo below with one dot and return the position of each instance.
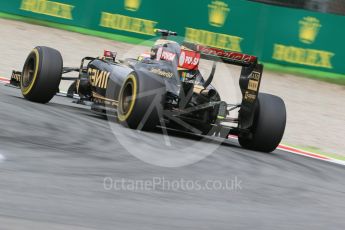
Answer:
(27, 89)
(124, 117)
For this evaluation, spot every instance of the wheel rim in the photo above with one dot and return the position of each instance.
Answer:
(127, 98)
(29, 72)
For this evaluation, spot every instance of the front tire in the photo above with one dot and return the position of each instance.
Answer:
(41, 74)
(269, 124)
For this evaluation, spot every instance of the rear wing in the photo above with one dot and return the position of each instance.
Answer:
(250, 78)
(220, 55)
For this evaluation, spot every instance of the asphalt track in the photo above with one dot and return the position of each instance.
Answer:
(55, 158)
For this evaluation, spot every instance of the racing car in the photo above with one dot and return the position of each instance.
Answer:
(163, 88)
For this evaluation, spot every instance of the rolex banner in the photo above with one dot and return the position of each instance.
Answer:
(277, 35)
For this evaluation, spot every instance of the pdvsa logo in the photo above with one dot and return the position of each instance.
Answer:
(132, 5)
(218, 12)
(309, 29)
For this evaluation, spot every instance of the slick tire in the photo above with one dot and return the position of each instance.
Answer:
(269, 124)
(41, 74)
(141, 101)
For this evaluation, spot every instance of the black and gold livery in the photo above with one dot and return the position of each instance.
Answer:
(163, 89)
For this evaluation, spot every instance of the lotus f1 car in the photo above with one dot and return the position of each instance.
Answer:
(163, 88)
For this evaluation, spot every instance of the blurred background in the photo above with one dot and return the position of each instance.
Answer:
(323, 6)
(298, 36)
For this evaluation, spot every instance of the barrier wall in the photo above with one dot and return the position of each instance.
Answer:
(284, 36)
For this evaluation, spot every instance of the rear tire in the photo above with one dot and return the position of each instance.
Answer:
(141, 101)
(269, 124)
(41, 74)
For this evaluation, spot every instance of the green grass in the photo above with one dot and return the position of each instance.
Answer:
(319, 151)
(308, 73)
(314, 74)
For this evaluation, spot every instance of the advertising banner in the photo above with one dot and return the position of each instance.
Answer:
(277, 35)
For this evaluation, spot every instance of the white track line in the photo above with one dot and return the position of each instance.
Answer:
(300, 152)
(310, 154)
